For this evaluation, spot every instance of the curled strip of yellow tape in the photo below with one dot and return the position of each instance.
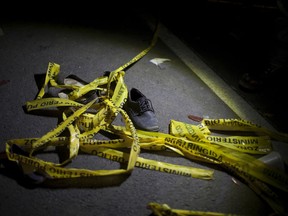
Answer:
(247, 144)
(164, 209)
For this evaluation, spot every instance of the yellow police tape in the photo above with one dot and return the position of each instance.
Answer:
(248, 144)
(165, 210)
(214, 152)
(195, 142)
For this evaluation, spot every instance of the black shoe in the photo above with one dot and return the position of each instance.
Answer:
(268, 78)
(73, 80)
(250, 83)
(140, 110)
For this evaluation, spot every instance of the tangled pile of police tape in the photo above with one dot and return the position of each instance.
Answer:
(194, 142)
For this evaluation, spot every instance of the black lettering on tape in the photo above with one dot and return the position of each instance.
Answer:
(176, 172)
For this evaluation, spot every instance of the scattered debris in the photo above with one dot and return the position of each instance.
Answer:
(3, 82)
(159, 61)
(234, 180)
(195, 118)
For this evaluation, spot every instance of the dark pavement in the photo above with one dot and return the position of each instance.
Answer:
(93, 41)
(233, 38)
